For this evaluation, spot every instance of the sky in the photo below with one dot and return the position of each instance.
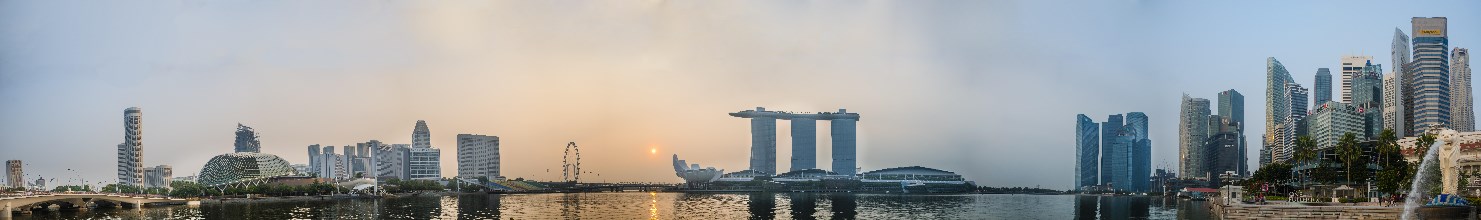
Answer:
(986, 89)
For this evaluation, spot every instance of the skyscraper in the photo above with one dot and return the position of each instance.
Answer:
(1351, 66)
(1087, 152)
(314, 157)
(1460, 87)
(1368, 98)
(247, 140)
(1332, 120)
(131, 151)
(1192, 131)
(158, 176)
(1109, 130)
(1141, 151)
(478, 156)
(1403, 101)
(1231, 106)
(426, 162)
(1323, 88)
(1277, 104)
(1393, 111)
(1431, 82)
(14, 175)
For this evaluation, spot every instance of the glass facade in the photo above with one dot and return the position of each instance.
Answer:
(1323, 86)
(1087, 152)
(1192, 130)
(1431, 71)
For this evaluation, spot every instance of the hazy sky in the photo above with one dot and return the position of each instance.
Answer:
(988, 89)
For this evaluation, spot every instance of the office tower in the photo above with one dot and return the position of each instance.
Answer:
(1431, 83)
(158, 176)
(1351, 65)
(1368, 98)
(804, 144)
(1221, 149)
(393, 161)
(1289, 128)
(131, 151)
(478, 156)
(1192, 130)
(314, 158)
(1231, 106)
(1265, 156)
(1460, 87)
(247, 140)
(14, 175)
(1141, 150)
(1109, 130)
(1087, 152)
(362, 162)
(1116, 169)
(1323, 87)
(1277, 100)
(1332, 120)
(1404, 101)
(1393, 111)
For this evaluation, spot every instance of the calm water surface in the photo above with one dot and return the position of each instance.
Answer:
(635, 205)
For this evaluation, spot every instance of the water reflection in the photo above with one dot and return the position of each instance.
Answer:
(1137, 207)
(676, 206)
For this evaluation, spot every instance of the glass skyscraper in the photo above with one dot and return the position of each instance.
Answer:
(1141, 151)
(1431, 82)
(1460, 83)
(1231, 106)
(1087, 152)
(1323, 86)
(1109, 131)
(1192, 131)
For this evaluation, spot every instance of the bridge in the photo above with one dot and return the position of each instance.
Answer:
(24, 204)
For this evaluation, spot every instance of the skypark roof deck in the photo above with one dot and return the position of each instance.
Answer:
(762, 112)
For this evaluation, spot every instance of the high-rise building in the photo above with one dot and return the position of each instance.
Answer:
(1109, 131)
(844, 135)
(158, 176)
(314, 157)
(1087, 152)
(1332, 120)
(1290, 127)
(131, 151)
(14, 175)
(804, 144)
(1141, 151)
(361, 160)
(1368, 98)
(478, 156)
(1192, 130)
(1322, 90)
(1116, 169)
(421, 137)
(1231, 106)
(393, 161)
(1403, 117)
(1277, 101)
(425, 161)
(1431, 82)
(1462, 116)
(1351, 66)
(1221, 149)
(1393, 111)
(247, 140)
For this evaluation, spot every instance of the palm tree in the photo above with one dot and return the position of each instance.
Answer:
(1349, 152)
(1305, 150)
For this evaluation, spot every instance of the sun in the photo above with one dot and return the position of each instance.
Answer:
(652, 150)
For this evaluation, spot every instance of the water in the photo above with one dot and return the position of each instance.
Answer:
(1420, 186)
(634, 205)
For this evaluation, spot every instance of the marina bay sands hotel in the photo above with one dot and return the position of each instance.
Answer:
(804, 139)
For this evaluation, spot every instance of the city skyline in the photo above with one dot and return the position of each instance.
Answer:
(657, 83)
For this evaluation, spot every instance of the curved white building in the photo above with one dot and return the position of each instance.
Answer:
(692, 173)
(131, 151)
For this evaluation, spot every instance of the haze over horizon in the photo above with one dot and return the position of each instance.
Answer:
(985, 89)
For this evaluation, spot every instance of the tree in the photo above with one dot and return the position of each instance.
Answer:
(1305, 150)
(1350, 153)
(1394, 173)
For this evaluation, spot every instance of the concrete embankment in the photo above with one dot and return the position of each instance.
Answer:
(1301, 211)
